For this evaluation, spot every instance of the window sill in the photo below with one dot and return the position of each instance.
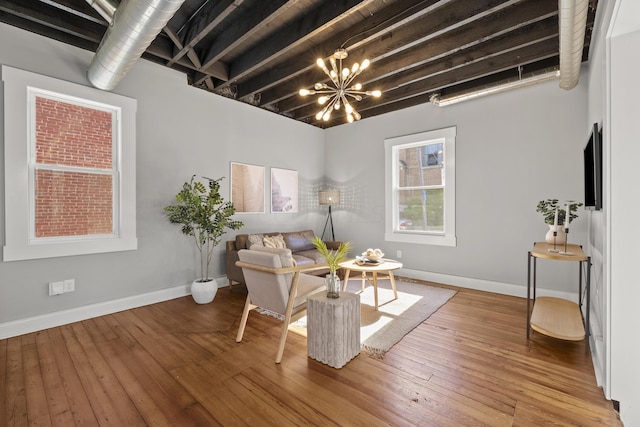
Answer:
(423, 239)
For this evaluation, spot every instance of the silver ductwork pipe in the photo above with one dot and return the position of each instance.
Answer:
(106, 8)
(535, 78)
(573, 23)
(134, 26)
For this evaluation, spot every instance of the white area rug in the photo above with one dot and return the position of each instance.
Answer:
(382, 329)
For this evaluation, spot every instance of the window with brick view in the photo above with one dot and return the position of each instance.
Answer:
(70, 168)
(73, 170)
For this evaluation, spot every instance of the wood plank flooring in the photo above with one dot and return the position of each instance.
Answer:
(177, 364)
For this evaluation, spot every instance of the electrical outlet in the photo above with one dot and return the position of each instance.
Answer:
(398, 253)
(56, 288)
(69, 285)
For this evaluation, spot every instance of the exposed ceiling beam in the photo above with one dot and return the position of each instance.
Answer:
(208, 18)
(295, 34)
(245, 28)
(388, 19)
(436, 41)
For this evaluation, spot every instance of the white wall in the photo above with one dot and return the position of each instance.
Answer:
(181, 131)
(512, 150)
(624, 205)
(596, 220)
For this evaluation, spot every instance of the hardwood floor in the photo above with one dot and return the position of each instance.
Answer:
(177, 364)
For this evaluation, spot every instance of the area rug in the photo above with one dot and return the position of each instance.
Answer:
(380, 330)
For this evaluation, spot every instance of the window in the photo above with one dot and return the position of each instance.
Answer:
(70, 168)
(420, 196)
(73, 166)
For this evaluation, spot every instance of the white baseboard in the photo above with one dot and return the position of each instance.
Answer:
(483, 285)
(58, 318)
(50, 320)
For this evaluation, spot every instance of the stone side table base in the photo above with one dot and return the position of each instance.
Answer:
(333, 328)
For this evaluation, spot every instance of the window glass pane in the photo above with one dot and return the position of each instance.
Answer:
(421, 210)
(432, 155)
(72, 135)
(421, 166)
(72, 203)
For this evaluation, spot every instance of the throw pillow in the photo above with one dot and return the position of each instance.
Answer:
(276, 241)
(255, 240)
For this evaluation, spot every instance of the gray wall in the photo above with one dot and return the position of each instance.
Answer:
(512, 150)
(180, 131)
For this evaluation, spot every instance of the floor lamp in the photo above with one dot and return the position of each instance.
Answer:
(329, 198)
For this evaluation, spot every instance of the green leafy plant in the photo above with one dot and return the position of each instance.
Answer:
(332, 257)
(548, 209)
(203, 215)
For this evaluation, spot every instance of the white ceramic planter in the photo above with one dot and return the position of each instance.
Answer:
(204, 292)
(560, 238)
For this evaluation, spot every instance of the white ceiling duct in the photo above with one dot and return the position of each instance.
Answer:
(106, 8)
(573, 22)
(134, 26)
(535, 78)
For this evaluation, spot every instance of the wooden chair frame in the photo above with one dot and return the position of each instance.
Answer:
(288, 314)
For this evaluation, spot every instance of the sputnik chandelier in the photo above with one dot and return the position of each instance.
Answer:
(333, 98)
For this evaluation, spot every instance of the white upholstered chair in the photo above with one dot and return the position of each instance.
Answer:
(276, 284)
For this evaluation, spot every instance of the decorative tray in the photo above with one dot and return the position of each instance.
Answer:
(366, 261)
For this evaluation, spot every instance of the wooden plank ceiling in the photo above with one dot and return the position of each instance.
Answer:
(263, 52)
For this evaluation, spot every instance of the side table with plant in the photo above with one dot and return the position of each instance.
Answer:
(204, 215)
(333, 258)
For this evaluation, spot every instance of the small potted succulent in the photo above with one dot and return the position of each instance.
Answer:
(203, 214)
(333, 259)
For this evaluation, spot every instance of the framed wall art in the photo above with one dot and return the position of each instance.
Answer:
(284, 191)
(247, 188)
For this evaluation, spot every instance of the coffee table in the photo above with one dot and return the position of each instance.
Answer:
(382, 270)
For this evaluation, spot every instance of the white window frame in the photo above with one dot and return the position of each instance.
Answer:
(20, 242)
(392, 146)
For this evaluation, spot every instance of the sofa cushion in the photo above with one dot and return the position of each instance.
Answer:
(313, 255)
(276, 241)
(302, 260)
(299, 240)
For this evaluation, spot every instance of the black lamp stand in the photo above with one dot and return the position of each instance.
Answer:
(329, 219)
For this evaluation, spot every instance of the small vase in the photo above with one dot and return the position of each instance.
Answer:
(204, 292)
(333, 285)
(560, 237)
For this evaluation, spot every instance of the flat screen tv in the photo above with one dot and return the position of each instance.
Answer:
(593, 170)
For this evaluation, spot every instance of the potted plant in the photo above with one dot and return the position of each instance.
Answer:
(555, 217)
(204, 215)
(333, 259)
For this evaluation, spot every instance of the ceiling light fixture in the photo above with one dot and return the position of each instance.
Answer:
(333, 98)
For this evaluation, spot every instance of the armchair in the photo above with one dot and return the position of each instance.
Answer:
(276, 284)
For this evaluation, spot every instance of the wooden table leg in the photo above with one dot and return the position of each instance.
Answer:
(393, 284)
(345, 280)
(364, 278)
(375, 288)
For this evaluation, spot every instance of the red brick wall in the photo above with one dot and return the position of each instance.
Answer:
(72, 203)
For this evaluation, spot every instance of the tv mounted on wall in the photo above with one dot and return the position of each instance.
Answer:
(593, 170)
